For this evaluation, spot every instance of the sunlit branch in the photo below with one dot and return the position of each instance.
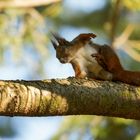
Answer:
(71, 96)
(25, 3)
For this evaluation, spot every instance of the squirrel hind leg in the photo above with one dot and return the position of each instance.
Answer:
(105, 75)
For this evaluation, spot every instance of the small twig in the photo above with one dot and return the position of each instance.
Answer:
(131, 52)
(36, 15)
(129, 46)
(134, 43)
(122, 39)
(114, 20)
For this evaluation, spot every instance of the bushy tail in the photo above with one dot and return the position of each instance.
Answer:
(128, 77)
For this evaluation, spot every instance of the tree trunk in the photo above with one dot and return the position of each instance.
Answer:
(69, 97)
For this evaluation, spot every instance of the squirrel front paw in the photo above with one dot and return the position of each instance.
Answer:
(82, 74)
(100, 60)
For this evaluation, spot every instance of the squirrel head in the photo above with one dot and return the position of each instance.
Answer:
(65, 50)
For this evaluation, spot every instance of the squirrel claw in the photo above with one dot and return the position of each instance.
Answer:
(94, 55)
(100, 59)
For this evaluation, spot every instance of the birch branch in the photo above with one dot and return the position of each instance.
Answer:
(69, 97)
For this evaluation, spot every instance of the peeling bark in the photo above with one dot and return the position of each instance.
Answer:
(69, 97)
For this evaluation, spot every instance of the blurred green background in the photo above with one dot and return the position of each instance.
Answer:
(26, 53)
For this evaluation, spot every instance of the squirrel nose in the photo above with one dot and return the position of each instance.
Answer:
(62, 60)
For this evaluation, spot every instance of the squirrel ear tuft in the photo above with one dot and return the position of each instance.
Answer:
(91, 35)
(60, 40)
(57, 37)
(54, 44)
(84, 37)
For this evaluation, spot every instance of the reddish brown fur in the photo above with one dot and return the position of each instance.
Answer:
(108, 59)
(77, 69)
(82, 38)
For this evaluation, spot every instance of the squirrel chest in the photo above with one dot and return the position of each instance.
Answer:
(87, 63)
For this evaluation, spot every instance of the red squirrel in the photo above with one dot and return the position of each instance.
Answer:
(78, 53)
(108, 59)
